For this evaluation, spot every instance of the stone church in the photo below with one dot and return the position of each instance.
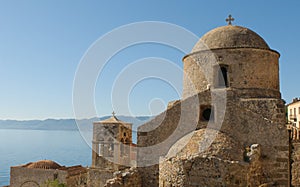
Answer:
(232, 99)
(228, 129)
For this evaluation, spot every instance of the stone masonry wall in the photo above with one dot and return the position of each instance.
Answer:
(97, 177)
(127, 178)
(247, 120)
(255, 126)
(77, 180)
(206, 171)
(220, 164)
(246, 69)
(168, 127)
(21, 175)
(295, 164)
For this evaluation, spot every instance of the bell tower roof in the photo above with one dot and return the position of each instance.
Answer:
(112, 120)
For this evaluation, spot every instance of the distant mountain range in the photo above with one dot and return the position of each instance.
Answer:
(66, 124)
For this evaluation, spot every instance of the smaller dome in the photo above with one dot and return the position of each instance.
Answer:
(43, 164)
(207, 142)
(230, 37)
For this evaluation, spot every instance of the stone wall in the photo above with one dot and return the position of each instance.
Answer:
(127, 178)
(225, 162)
(219, 164)
(205, 171)
(254, 120)
(246, 69)
(21, 176)
(111, 178)
(98, 177)
(103, 162)
(158, 135)
(77, 176)
(295, 164)
(251, 124)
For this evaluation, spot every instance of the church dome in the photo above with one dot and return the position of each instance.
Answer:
(43, 164)
(230, 37)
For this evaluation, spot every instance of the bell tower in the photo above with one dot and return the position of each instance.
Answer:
(112, 140)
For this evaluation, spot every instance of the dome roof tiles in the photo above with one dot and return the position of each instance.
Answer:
(43, 164)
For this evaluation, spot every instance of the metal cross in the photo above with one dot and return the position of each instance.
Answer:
(113, 113)
(229, 19)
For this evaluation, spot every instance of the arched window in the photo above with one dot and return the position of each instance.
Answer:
(122, 151)
(111, 149)
(221, 79)
(206, 113)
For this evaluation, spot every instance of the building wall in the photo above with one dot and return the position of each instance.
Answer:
(111, 144)
(295, 164)
(209, 171)
(180, 119)
(126, 178)
(77, 176)
(20, 176)
(293, 110)
(77, 180)
(98, 177)
(247, 120)
(246, 69)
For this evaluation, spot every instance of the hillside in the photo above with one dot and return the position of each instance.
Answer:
(65, 124)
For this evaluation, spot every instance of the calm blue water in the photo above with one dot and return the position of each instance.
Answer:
(23, 146)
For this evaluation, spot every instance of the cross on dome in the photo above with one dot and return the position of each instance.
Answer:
(230, 19)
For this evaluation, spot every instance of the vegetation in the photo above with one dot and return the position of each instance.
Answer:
(54, 183)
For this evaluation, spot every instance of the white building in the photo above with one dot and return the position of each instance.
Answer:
(293, 110)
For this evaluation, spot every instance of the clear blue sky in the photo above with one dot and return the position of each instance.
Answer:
(42, 42)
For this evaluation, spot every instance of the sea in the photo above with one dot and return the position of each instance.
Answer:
(19, 147)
